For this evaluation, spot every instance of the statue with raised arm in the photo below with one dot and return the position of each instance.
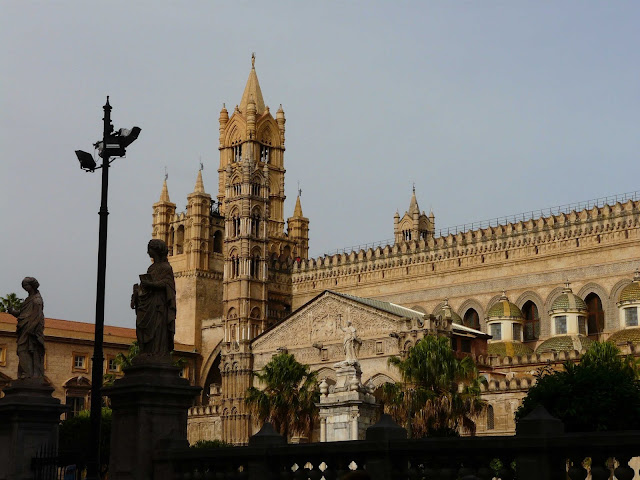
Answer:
(154, 301)
(351, 341)
(30, 331)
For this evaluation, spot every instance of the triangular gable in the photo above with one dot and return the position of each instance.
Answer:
(318, 322)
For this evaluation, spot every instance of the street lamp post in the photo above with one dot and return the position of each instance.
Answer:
(113, 144)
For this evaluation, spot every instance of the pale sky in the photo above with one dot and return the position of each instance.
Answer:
(491, 108)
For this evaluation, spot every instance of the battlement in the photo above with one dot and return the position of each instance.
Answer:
(539, 236)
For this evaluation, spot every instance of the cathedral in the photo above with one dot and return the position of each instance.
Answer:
(515, 295)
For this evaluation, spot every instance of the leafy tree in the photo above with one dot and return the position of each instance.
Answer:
(75, 435)
(11, 301)
(440, 393)
(289, 398)
(601, 392)
(123, 361)
(211, 444)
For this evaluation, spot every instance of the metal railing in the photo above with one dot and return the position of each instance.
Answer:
(507, 219)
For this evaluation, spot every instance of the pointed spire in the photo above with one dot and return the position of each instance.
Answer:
(164, 196)
(413, 205)
(297, 211)
(199, 185)
(252, 89)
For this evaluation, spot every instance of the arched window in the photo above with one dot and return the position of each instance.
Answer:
(180, 240)
(531, 321)
(471, 319)
(171, 240)
(490, 418)
(217, 242)
(595, 315)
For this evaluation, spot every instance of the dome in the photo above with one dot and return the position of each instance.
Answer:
(568, 302)
(631, 293)
(625, 336)
(564, 343)
(504, 309)
(445, 310)
(508, 349)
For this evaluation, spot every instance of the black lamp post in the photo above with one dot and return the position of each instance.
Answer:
(113, 144)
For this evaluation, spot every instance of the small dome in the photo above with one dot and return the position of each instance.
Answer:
(504, 309)
(568, 302)
(631, 293)
(445, 310)
(625, 336)
(564, 343)
(508, 349)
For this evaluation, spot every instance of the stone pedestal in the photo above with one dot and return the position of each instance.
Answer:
(29, 419)
(348, 408)
(149, 405)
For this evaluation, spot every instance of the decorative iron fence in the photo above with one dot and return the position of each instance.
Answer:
(50, 465)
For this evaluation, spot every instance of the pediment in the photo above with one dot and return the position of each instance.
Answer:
(318, 323)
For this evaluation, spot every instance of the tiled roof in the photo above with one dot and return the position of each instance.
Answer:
(508, 349)
(630, 293)
(569, 301)
(53, 324)
(626, 335)
(564, 343)
(455, 318)
(504, 308)
(385, 306)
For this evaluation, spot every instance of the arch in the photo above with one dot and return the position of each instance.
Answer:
(551, 298)
(418, 308)
(617, 288)
(255, 312)
(595, 315)
(525, 303)
(217, 241)
(473, 304)
(231, 313)
(378, 379)
(235, 127)
(213, 376)
(76, 392)
(326, 373)
(180, 240)
(609, 308)
(490, 418)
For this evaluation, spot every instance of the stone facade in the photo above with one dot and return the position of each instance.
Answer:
(253, 265)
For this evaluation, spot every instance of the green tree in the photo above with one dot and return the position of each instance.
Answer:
(440, 393)
(289, 397)
(123, 361)
(601, 392)
(11, 301)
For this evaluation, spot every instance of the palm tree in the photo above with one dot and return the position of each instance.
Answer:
(289, 397)
(10, 302)
(440, 393)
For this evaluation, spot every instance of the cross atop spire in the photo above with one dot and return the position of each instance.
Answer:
(252, 91)
(253, 60)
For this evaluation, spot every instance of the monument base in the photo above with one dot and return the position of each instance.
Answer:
(149, 409)
(29, 419)
(348, 408)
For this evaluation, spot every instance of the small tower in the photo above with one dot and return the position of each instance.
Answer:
(163, 213)
(198, 211)
(414, 225)
(298, 229)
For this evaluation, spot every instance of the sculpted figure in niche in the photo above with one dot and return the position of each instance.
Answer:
(154, 301)
(30, 331)
(351, 342)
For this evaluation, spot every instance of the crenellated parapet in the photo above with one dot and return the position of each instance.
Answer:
(544, 236)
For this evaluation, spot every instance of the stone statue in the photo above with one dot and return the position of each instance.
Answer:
(154, 301)
(30, 332)
(351, 341)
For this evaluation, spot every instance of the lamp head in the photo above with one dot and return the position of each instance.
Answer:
(86, 161)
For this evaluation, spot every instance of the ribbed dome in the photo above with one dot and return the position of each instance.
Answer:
(504, 309)
(568, 302)
(508, 349)
(564, 343)
(626, 335)
(631, 293)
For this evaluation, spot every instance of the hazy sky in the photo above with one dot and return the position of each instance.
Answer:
(491, 108)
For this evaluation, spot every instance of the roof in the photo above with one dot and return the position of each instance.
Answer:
(504, 308)
(568, 301)
(455, 318)
(385, 306)
(564, 343)
(625, 336)
(252, 92)
(508, 349)
(630, 293)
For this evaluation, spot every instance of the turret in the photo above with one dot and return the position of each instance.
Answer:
(280, 120)
(163, 213)
(298, 231)
(414, 225)
(198, 212)
(223, 119)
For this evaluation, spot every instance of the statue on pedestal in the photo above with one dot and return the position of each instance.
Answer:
(154, 301)
(30, 332)
(351, 342)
